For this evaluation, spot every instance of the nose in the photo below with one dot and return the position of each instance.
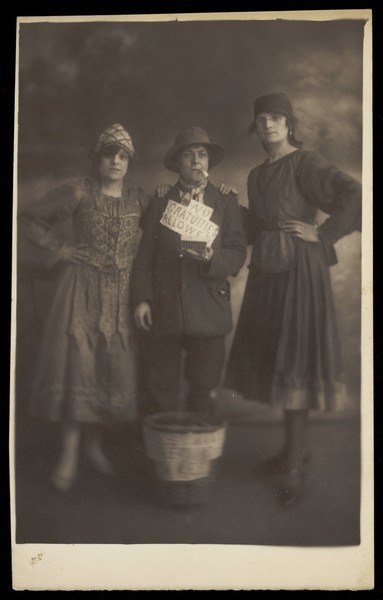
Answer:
(115, 159)
(195, 159)
(268, 123)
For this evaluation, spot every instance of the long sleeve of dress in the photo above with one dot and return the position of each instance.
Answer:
(55, 207)
(334, 192)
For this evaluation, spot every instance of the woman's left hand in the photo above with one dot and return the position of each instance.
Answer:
(303, 231)
(228, 189)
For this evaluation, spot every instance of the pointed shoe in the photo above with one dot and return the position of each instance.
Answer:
(276, 465)
(62, 483)
(291, 488)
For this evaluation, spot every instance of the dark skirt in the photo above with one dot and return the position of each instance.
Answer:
(286, 350)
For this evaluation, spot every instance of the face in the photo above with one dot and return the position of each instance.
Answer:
(192, 160)
(113, 163)
(272, 128)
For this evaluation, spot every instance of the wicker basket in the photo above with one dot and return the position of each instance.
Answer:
(185, 449)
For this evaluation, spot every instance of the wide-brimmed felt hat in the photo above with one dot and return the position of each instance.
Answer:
(277, 103)
(116, 135)
(189, 137)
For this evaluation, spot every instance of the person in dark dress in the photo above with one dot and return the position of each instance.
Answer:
(286, 350)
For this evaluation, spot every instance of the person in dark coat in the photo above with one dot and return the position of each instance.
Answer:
(286, 350)
(180, 289)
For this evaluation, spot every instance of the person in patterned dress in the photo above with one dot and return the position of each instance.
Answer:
(86, 371)
(286, 350)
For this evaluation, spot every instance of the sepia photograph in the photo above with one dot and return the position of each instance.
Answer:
(191, 377)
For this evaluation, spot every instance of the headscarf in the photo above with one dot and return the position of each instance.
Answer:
(116, 135)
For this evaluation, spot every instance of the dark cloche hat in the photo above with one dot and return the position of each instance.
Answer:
(272, 103)
(193, 136)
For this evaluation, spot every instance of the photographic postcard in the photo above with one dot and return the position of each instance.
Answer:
(157, 74)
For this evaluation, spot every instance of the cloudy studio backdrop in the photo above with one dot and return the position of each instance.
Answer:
(157, 78)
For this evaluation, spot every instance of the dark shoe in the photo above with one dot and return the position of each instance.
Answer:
(271, 466)
(277, 464)
(291, 487)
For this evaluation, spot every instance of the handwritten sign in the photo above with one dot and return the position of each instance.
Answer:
(192, 222)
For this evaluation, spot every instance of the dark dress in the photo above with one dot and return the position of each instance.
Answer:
(86, 368)
(286, 350)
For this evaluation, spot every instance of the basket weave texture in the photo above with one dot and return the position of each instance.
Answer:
(185, 448)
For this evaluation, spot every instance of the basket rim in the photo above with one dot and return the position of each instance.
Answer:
(155, 421)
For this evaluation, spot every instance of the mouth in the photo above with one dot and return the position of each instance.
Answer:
(200, 171)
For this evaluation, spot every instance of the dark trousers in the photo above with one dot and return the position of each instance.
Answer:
(161, 362)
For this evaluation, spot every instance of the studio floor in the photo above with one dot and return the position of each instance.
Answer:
(125, 509)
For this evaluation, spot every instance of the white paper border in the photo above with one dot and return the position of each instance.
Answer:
(223, 567)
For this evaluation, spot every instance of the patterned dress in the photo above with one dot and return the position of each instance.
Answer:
(286, 350)
(86, 366)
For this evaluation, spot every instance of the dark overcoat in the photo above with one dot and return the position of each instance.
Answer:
(189, 296)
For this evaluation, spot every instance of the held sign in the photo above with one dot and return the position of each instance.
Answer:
(192, 222)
